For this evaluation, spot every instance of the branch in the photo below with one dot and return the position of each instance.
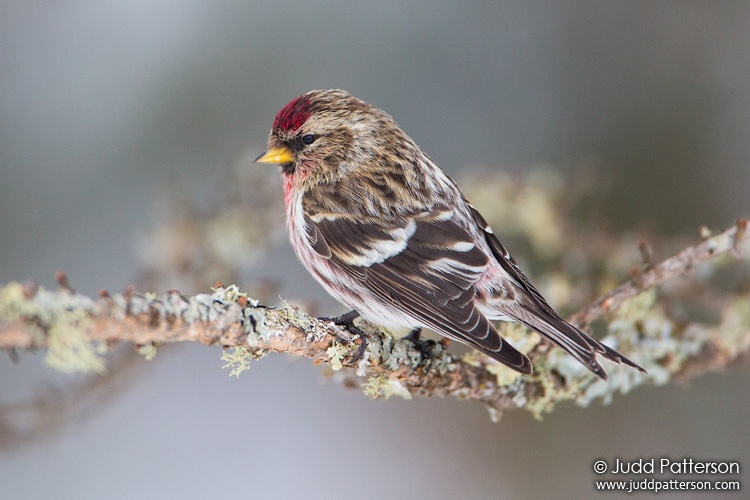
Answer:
(76, 331)
(683, 262)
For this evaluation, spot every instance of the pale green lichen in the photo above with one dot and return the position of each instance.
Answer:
(374, 385)
(395, 388)
(578, 383)
(68, 350)
(516, 389)
(649, 337)
(255, 324)
(473, 358)
(297, 318)
(503, 374)
(61, 318)
(441, 361)
(380, 386)
(538, 406)
(174, 305)
(218, 306)
(337, 353)
(232, 293)
(273, 322)
(397, 354)
(378, 350)
(204, 307)
(148, 351)
(12, 301)
(662, 349)
(239, 359)
(641, 325)
(394, 354)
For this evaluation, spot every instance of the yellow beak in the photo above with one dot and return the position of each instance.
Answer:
(277, 156)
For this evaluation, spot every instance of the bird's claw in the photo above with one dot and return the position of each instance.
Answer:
(425, 347)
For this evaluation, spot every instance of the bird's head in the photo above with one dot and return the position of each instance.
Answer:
(326, 135)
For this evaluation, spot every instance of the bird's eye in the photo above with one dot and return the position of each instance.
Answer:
(308, 138)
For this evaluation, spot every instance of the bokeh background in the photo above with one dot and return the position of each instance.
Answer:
(104, 105)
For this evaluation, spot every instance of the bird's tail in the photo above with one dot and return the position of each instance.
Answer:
(574, 341)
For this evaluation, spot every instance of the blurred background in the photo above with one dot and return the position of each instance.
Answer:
(107, 106)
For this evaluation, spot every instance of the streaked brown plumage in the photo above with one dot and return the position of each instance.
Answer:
(389, 234)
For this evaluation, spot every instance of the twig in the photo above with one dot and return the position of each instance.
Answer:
(683, 262)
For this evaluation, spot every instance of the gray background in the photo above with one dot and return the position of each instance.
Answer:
(102, 104)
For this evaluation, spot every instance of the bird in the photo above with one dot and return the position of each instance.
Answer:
(390, 235)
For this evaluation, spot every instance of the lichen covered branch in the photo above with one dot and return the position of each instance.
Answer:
(77, 331)
(683, 262)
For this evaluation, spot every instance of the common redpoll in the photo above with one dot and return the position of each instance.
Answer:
(390, 235)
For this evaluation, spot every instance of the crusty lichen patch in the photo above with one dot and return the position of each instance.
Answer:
(62, 318)
(381, 386)
(148, 351)
(238, 359)
(337, 353)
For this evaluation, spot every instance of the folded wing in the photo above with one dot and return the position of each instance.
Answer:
(423, 264)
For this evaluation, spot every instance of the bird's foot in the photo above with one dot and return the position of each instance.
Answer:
(347, 321)
(424, 347)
